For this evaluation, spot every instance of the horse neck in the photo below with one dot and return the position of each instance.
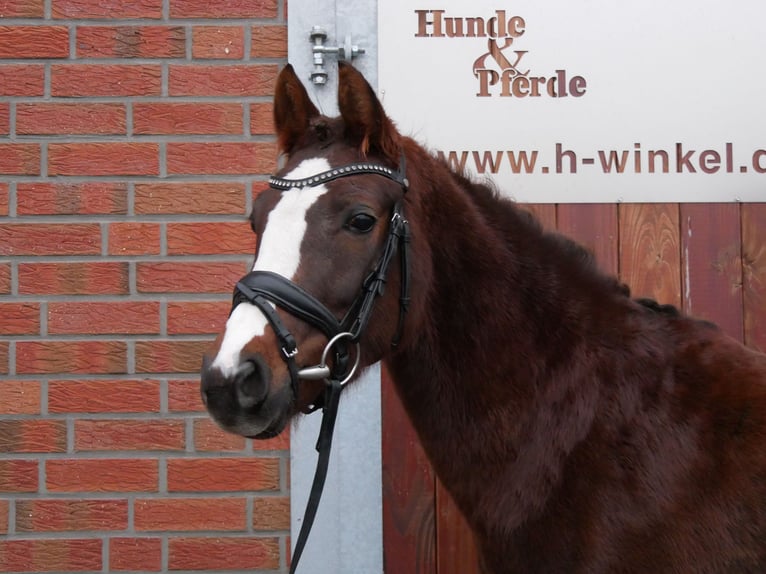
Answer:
(496, 323)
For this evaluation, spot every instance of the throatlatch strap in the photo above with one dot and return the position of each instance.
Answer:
(374, 285)
(404, 291)
(324, 445)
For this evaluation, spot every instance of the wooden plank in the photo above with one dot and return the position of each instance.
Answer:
(754, 273)
(544, 212)
(711, 263)
(409, 530)
(456, 551)
(650, 257)
(593, 225)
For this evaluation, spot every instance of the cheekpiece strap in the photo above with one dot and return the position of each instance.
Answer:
(397, 175)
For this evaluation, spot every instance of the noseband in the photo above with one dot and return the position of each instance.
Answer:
(268, 291)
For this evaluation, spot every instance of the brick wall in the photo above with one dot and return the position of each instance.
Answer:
(133, 134)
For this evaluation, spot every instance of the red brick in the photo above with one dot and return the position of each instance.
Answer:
(208, 436)
(223, 553)
(133, 238)
(101, 475)
(279, 442)
(187, 118)
(69, 119)
(271, 513)
(4, 356)
(210, 238)
(113, 158)
(197, 317)
(223, 158)
(5, 278)
(223, 474)
(269, 42)
(187, 514)
(5, 118)
(32, 436)
(104, 396)
(169, 356)
(184, 396)
(19, 318)
(225, 9)
(41, 357)
(101, 318)
(97, 278)
(189, 198)
(50, 555)
(71, 515)
(34, 42)
(71, 80)
(19, 158)
(19, 397)
(218, 42)
(22, 79)
(50, 239)
(18, 476)
(131, 42)
(22, 8)
(98, 9)
(4, 516)
(222, 80)
(135, 554)
(54, 198)
(262, 118)
(115, 435)
(189, 277)
(4, 200)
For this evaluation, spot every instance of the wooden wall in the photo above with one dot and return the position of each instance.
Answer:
(708, 259)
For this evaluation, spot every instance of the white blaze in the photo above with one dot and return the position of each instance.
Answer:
(280, 252)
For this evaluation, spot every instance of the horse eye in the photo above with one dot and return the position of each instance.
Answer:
(361, 223)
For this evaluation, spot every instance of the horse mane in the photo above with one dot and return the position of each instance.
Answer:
(505, 214)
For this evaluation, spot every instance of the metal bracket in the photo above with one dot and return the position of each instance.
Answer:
(347, 51)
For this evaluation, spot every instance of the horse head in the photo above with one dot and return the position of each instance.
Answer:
(326, 229)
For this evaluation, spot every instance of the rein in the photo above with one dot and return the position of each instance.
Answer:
(268, 290)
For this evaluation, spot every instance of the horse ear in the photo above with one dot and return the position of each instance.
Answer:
(293, 109)
(366, 122)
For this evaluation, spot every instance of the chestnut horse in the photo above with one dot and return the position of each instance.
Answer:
(578, 429)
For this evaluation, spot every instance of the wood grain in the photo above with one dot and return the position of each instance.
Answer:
(650, 251)
(754, 274)
(711, 264)
(456, 551)
(409, 529)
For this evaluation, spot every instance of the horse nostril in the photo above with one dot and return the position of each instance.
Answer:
(252, 382)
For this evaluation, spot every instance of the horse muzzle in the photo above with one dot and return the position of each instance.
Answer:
(245, 401)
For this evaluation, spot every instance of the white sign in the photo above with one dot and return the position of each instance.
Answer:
(575, 101)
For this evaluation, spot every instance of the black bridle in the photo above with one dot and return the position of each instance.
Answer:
(269, 291)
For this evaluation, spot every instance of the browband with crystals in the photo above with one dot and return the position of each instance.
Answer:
(398, 176)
